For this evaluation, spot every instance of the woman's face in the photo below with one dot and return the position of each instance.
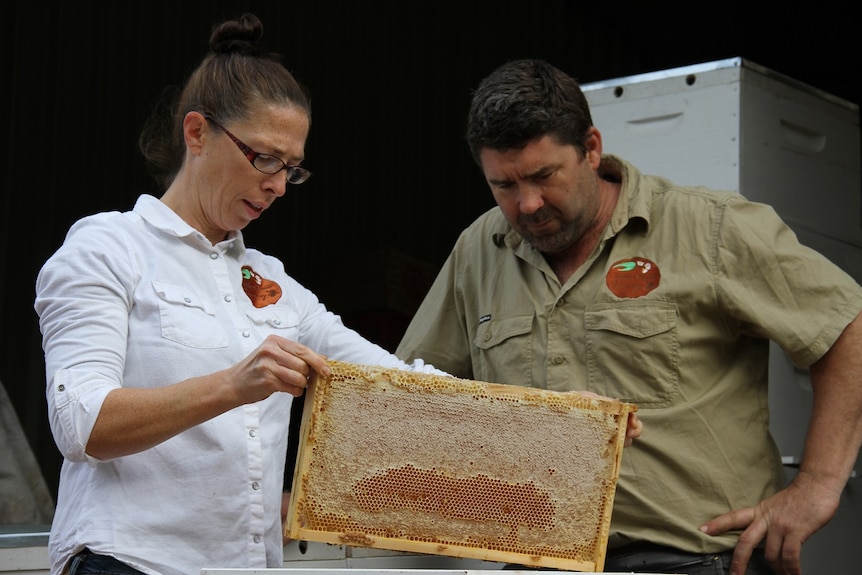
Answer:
(233, 191)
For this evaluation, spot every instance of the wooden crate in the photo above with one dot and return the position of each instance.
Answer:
(398, 460)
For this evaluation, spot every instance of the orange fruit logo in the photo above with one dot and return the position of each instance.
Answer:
(261, 291)
(633, 277)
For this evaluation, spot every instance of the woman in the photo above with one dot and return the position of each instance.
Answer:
(173, 351)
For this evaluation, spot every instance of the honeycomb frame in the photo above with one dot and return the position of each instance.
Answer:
(419, 463)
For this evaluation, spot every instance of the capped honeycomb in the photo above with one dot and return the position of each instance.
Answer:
(412, 462)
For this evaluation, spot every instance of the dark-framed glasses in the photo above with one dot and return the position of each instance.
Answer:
(265, 163)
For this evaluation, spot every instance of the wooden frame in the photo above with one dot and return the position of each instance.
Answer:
(421, 463)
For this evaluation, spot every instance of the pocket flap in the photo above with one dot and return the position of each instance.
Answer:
(495, 331)
(274, 316)
(633, 320)
(180, 295)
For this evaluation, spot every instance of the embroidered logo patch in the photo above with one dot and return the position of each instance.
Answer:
(261, 291)
(633, 277)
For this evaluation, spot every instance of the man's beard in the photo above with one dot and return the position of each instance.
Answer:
(552, 243)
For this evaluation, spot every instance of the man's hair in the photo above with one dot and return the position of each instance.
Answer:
(524, 100)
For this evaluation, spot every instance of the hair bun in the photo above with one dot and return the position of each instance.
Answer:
(237, 36)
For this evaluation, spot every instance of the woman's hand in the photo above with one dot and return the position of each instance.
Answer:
(278, 364)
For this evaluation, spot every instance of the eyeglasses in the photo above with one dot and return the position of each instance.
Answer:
(264, 162)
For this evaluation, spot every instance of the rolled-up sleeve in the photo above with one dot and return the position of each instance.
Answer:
(74, 401)
(83, 308)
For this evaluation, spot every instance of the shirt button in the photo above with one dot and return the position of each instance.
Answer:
(213, 256)
(187, 299)
(246, 334)
(253, 433)
(228, 298)
(558, 359)
(255, 485)
(61, 387)
(487, 336)
(256, 538)
(276, 321)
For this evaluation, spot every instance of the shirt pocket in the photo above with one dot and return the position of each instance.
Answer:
(633, 352)
(187, 318)
(279, 320)
(504, 349)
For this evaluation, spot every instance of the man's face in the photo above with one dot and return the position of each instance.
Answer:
(548, 192)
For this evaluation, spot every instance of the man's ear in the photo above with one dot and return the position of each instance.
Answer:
(593, 147)
(194, 128)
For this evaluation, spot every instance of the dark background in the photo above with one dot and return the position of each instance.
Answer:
(390, 85)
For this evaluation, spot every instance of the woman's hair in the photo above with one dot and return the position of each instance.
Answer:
(233, 77)
(523, 100)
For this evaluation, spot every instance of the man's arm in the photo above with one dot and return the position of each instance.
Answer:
(832, 445)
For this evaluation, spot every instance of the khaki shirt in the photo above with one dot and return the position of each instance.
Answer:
(673, 312)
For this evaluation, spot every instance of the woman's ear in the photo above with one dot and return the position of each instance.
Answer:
(194, 128)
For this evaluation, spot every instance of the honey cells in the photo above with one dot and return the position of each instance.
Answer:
(432, 464)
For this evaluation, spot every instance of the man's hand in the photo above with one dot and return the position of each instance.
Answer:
(634, 426)
(784, 520)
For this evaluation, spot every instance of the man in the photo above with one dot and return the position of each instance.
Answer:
(590, 275)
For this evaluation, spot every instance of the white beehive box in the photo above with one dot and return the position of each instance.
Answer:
(733, 124)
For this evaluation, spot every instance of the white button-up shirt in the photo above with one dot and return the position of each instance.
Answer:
(141, 299)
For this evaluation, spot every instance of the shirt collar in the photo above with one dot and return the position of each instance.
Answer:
(632, 204)
(160, 216)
